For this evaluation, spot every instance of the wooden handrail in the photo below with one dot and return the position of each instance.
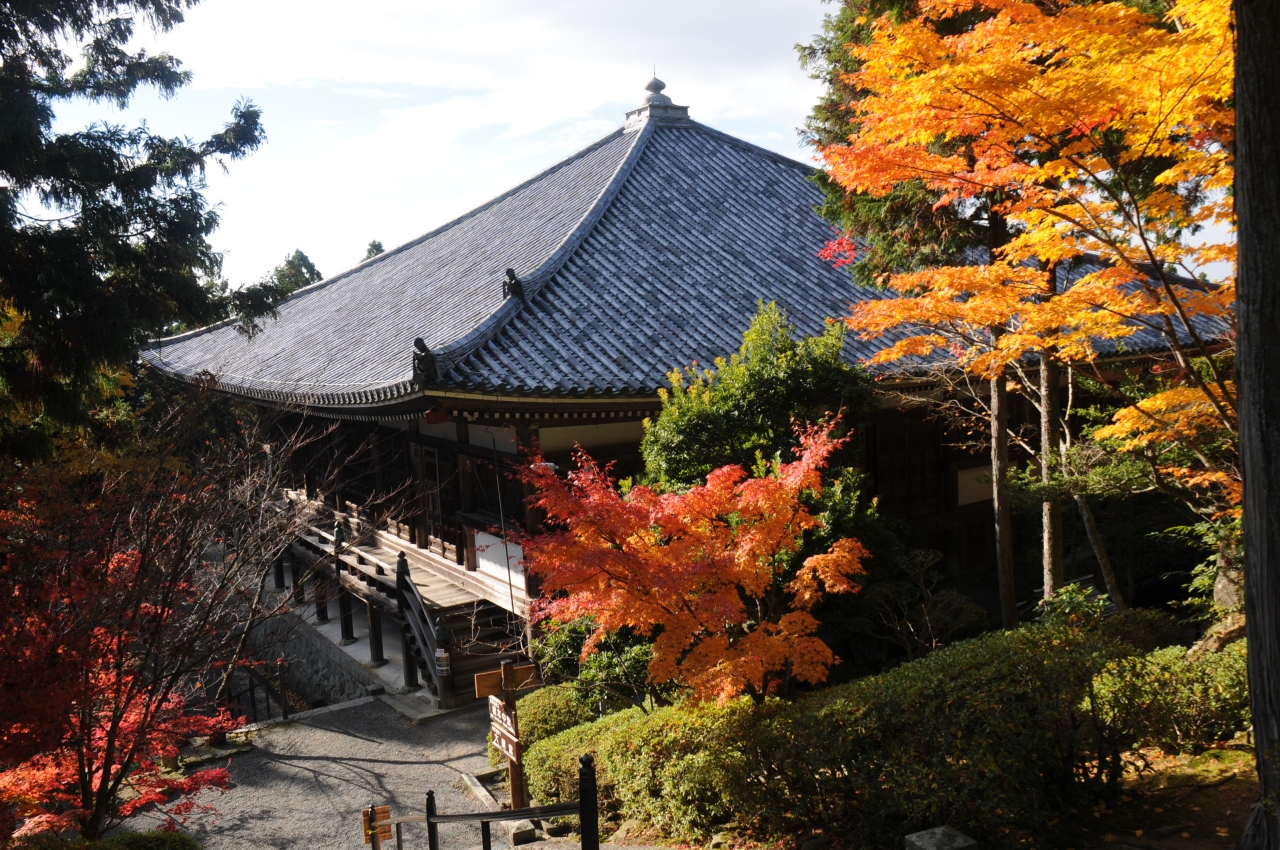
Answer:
(529, 813)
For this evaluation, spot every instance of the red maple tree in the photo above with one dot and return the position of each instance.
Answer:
(121, 597)
(707, 572)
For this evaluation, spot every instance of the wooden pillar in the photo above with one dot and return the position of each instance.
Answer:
(322, 603)
(376, 658)
(345, 618)
(295, 573)
(588, 804)
(409, 663)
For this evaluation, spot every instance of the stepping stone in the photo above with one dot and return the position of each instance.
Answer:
(940, 838)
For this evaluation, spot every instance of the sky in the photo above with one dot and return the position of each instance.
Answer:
(388, 118)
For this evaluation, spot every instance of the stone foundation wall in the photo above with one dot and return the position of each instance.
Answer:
(315, 669)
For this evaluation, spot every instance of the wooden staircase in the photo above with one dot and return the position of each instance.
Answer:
(427, 602)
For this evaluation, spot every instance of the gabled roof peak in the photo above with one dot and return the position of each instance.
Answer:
(657, 107)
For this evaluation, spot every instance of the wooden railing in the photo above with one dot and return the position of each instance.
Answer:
(378, 824)
(271, 692)
(395, 583)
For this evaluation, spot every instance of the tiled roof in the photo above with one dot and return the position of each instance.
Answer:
(348, 340)
(646, 251)
(704, 228)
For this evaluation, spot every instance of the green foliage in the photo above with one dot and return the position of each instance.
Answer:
(374, 249)
(1075, 606)
(745, 409)
(1144, 629)
(542, 714)
(295, 272)
(985, 734)
(153, 840)
(1175, 702)
(613, 677)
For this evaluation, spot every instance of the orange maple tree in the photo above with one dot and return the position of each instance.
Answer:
(1097, 139)
(1092, 131)
(706, 572)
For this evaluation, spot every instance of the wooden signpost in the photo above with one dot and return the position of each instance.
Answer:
(501, 687)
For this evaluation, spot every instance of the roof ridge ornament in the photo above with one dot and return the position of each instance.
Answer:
(657, 107)
(425, 369)
(513, 286)
(656, 97)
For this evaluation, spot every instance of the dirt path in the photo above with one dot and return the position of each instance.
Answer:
(304, 783)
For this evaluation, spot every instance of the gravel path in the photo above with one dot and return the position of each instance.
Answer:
(304, 783)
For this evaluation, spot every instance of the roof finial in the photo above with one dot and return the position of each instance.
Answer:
(655, 87)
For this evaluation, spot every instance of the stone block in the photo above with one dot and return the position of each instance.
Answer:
(522, 832)
(940, 838)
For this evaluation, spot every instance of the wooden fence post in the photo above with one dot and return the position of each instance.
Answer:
(589, 811)
(433, 831)
(371, 837)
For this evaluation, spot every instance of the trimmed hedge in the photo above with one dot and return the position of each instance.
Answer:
(1176, 703)
(542, 714)
(982, 735)
(1000, 732)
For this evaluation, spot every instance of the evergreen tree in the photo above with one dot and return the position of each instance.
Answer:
(375, 248)
(104, 230)
(748, 406)
(295, 272)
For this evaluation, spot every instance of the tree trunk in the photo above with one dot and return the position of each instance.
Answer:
(1000, 501)
(1257, 198)
(1100, 552)
(1050, 509)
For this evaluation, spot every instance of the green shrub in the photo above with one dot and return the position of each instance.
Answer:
(983, 735)
(153, 840)
(551, 765)
(542, 714)
(1176, 703)
(1145, 629)
(676, 768)
(670, 768)
(1075, 605)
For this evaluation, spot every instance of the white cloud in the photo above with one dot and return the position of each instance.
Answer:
(387, 118)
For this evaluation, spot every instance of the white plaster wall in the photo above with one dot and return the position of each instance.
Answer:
(485, 437)
(969, 489)
(444, 430)
(489, 558)
(587, 436)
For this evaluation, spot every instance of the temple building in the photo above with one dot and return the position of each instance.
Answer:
(545, 318)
